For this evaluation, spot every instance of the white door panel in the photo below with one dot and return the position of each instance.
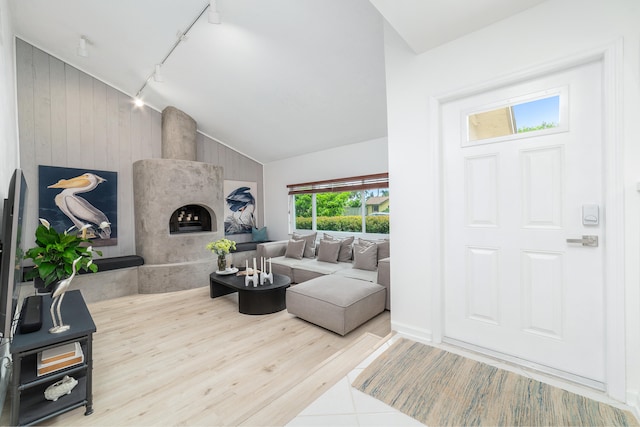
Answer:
(513, 284)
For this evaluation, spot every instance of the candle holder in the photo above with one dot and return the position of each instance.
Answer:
(251, 278)
(266, 277)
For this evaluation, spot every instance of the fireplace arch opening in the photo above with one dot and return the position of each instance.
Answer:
(192, 219)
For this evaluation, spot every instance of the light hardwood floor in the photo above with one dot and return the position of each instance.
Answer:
(185, 359)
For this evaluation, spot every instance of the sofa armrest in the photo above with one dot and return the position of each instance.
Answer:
(271, 249)
(384, 278)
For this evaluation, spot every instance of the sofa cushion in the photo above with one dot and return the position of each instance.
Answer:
(365, 257)
(295, 249)
(346, 247)
(318, 266)
(328, 251)
(310, 247)
(356, 273)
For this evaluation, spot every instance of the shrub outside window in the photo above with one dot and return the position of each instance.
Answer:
(363, 209)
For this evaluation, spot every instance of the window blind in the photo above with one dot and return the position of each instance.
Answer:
(355, 183)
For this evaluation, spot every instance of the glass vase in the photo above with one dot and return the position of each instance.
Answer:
(222, 262)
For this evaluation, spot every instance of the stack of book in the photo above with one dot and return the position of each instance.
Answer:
(61, 357)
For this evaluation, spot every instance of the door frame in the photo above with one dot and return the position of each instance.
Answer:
(613, 185)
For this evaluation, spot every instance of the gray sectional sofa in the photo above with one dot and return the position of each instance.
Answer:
(307, 268)
(340, 283)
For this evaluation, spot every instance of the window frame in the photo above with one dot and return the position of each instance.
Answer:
(358, 183)
(563, 116)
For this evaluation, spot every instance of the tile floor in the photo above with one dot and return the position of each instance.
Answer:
(343, 405)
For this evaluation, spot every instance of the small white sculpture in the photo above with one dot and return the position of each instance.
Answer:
(58, 294)
(60, 388)
(266, 277)
(251, 278)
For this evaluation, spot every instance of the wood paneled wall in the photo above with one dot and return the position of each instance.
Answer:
(68, 118)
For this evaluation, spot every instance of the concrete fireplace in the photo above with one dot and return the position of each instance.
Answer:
(171, 188)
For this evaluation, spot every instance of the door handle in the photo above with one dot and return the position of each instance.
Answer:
(585, 241)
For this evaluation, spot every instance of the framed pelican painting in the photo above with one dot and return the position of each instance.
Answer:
(70, 198)
(240, 203)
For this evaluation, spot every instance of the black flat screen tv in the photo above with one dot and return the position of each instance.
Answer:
(12, 239)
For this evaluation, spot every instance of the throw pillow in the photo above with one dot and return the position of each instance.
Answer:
(259, 235)
(384, 250)
(328, 251)
(383, 247)
(295, 249)
(365, 257)
(346, 249)
(310, 247)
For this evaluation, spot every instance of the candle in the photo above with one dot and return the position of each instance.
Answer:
(254, 266)
(246, 265)
(270, 268)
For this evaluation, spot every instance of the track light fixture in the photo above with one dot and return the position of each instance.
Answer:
(182, 36)
(82, 47)
(214, 15)
(156, 74)
(138, 100)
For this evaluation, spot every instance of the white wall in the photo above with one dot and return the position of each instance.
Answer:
(549, 32)
(363, 158)
(8, 128)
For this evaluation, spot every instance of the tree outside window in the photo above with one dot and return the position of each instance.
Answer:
(342, 211)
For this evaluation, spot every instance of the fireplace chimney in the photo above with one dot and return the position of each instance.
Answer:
(178, 135)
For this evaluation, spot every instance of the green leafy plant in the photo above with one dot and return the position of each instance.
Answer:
(55, 252)
(221, 246)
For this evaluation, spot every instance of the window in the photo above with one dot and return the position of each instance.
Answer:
(358, 204)
(543, 112)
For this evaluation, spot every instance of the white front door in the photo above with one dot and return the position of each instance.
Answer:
(514, 285)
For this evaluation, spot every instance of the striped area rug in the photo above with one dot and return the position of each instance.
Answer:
(439, 388)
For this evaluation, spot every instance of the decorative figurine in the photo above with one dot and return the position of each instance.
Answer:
(251, 278)
(56, 301)
(266, 277)
(60, 388)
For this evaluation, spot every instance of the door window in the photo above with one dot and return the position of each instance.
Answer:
(531, 115)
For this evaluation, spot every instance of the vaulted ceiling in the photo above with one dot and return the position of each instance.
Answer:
(276, 79)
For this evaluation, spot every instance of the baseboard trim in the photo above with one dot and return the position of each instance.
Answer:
(633, 401)
(411, 332)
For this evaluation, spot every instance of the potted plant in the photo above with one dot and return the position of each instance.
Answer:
(221, 247)
(55, 252)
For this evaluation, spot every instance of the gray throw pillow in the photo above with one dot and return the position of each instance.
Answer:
(310, 247)
(328, 251)
(365, 257)
(346, 248)
(295, 249)
(383, 247)
(384, 250)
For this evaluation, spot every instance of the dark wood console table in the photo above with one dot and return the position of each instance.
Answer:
(262, 299)
(28, 404)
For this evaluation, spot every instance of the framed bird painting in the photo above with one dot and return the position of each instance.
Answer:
(240, 207)
(70, 198)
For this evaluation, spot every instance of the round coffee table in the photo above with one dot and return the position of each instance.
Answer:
(261, 299)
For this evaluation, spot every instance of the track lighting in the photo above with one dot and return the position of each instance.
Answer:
(181, 36)
(156, 74)
(214, 16)
(82, 47)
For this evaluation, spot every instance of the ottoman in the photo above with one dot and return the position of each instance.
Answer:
(339, 304)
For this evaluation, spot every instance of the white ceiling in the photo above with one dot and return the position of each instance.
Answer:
(276, 79)
(426, 24)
